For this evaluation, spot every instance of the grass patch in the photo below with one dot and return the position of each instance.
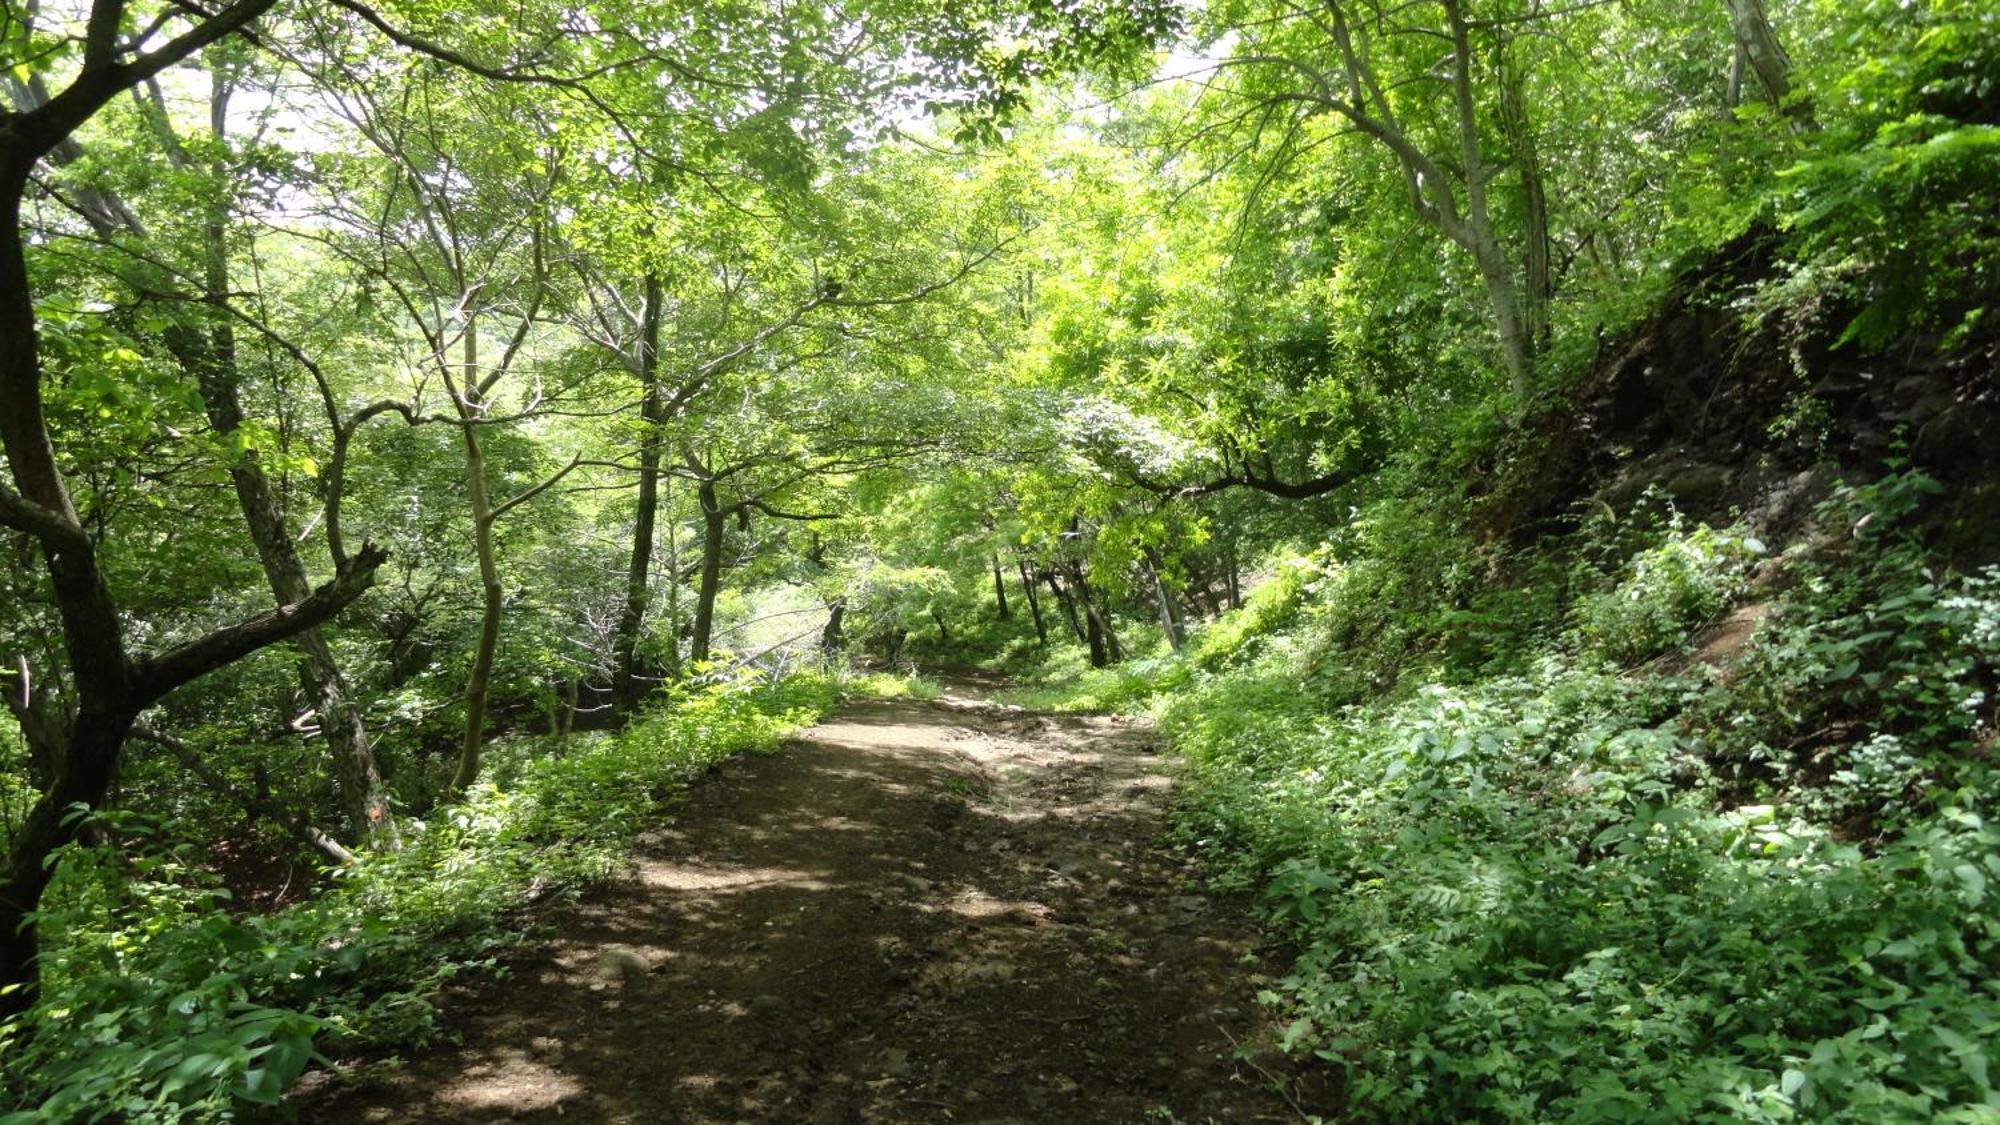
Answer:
(888, 685)
(160, 1005)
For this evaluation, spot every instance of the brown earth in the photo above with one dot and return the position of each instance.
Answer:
(918, 912)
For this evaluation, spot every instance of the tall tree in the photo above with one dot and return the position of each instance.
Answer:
(212, 355)
(111, 684)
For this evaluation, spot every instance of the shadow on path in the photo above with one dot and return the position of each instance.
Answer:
(919, 912)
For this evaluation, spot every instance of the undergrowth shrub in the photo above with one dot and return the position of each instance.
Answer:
(1666, 592)
(159, 1004)
(1558, 893)
(887, 685)
(1068, 683)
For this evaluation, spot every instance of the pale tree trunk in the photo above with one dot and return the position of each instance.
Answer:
(1517, 345)
(1758, 48)
(357, 777)
(1520, 134)
(673, 624)
(1366, 105)
(470, 400)
(1170, 617)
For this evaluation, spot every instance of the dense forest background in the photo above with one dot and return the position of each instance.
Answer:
(1533, 458)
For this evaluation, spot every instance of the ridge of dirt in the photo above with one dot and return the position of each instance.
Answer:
(917, 912)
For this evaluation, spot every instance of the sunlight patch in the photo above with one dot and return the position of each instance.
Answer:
(729, 880)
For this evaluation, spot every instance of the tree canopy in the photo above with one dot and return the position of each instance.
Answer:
(391, 392)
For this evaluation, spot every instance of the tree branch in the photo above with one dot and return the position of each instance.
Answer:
(778, 513)
(155, 676)
(103, 77)
(56, 531)
(537, 490)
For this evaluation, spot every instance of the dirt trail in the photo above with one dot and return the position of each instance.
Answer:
(919, 912)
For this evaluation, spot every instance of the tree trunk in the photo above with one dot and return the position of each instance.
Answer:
(830, 638)
(673, 630)
(356, 775)
(1757, 46)
(714, 524)
(1099, 657)
(944, 631)
(93, 636)
(109, 687)
(1520, 134)
(90, 763)
(1000, 589)
(1234, 577)
(1170, 617)
(625, 688)
(1504, 298)
(479, 681)
(1034, 602)
(1068, 604)
(1103, 642)
(1475, 232)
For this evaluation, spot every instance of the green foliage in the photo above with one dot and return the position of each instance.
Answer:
(1228, 316)
(1665, 593)
(1868, 694)
(1885, 226)
(1570, 893)
(162, 1004)
(1889, 210)
(1069, 684)
(1270, 608)
(887, 685)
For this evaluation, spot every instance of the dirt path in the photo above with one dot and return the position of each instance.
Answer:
(920, 912)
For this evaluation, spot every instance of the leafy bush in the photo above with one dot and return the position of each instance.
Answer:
(1558, 893)
(1067, 683)
(888, 685)
(1891, 209)
(1871, 690)
(159, 1005)
(1665, 593)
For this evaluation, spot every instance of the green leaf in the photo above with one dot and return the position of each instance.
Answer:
(260, 1087)
(1974, 880)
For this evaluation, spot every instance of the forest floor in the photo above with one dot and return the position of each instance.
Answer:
(943, 911)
